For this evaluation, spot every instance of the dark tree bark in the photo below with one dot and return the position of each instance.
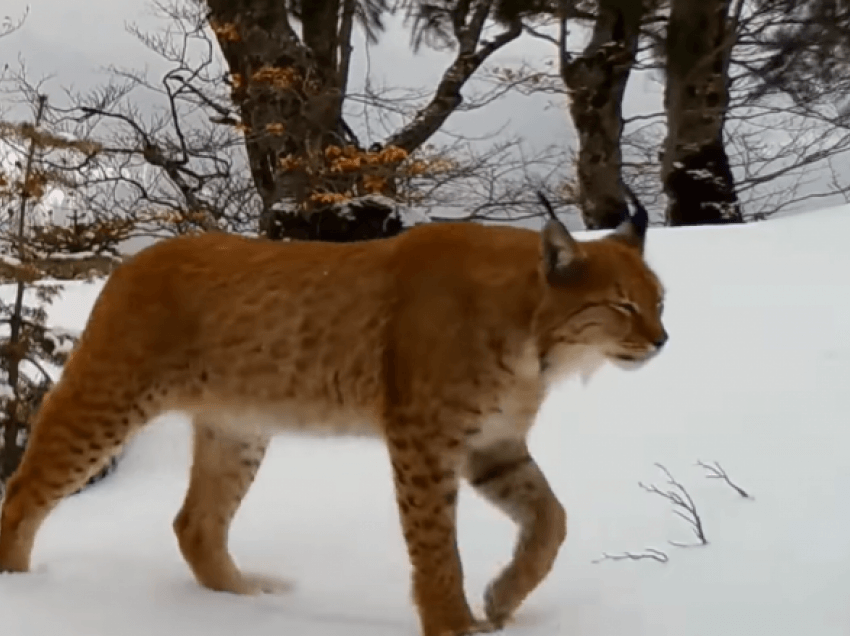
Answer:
(289, 90)
(698, 181)
(596, 81)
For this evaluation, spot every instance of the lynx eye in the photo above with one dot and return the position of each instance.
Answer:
(660, 307)
(626, 307)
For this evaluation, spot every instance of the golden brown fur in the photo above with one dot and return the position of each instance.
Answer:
(440, 341)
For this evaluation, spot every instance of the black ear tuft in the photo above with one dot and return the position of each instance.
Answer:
(632, 231)
(640, 218)
(545, 202)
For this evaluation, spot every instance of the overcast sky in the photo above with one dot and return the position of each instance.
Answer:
(74, 40)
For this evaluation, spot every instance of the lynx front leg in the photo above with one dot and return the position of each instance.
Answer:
(223, 470)
(426, 485)
(507, 476)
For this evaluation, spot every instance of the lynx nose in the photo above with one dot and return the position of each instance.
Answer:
(661, 340)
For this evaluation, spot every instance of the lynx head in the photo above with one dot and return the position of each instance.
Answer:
(601, 300)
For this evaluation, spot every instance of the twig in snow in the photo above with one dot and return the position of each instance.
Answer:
(684, 506)
(648, 553)
(717, 472)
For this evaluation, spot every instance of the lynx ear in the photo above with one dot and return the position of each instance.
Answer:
(632, 231)
(559, 249)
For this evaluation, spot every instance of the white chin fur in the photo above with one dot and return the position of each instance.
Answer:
(629, 365)
(564, 361)
(592, 364)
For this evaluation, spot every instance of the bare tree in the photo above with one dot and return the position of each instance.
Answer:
(289, 89)
(107, 181)
(30, 351)
(780, 144)
(596, 81)
(806, 40)
(230, 151)
(786, 142)
(637, 145)
(697, 176)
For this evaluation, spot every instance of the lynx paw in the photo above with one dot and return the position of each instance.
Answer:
(14, 565)
(482, 627)
(477, 627)
(256, 584)
(500, 602)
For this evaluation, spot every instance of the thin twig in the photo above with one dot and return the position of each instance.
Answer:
(716, 471)
(684, 507)
(647, 554)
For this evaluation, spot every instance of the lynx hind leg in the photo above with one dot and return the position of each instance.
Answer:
(73, 437)
(223, 469)
(508, 477)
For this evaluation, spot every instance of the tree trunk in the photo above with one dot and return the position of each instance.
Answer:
(698, 181)
(304, 160)
(289, 94)
(596, 81)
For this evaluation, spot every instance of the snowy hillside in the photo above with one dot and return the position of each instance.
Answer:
(755, 377)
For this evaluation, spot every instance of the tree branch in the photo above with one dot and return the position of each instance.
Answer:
(448, 97)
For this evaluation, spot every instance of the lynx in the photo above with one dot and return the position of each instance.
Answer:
(440, 341)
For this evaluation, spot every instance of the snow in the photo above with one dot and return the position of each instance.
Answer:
(63, 340)
(408, 215)
(755, 377)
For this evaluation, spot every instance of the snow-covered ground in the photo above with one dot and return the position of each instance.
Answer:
(755, 377)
